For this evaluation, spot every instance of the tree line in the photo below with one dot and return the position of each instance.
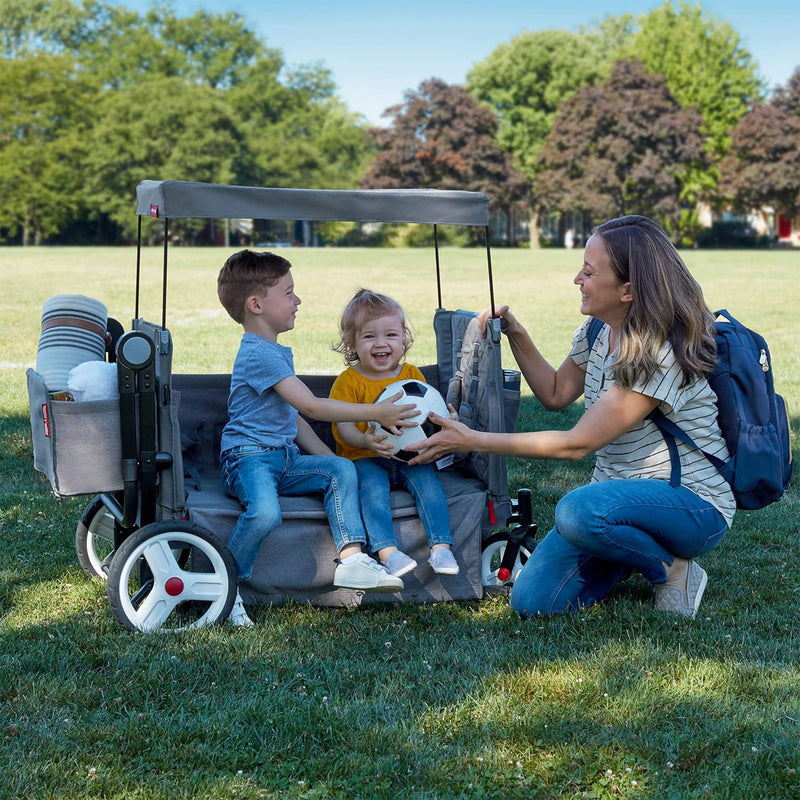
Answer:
(651, 114)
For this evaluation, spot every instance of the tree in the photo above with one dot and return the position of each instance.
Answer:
(524, 82)
(441, 138)
(43, 113)
(704, 64)
(624, 147)
(763, 165)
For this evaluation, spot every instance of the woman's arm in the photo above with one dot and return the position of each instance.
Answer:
(616, 412)
(554, 388)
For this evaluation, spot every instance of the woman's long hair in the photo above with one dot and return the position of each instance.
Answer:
(667, 303)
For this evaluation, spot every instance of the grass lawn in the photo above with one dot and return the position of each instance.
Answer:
(428, 701)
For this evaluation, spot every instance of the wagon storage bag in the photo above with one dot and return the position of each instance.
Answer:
(76, 445)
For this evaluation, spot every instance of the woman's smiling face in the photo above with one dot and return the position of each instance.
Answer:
(603, 295)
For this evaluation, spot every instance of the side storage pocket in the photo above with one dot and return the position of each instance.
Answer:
(76, 445)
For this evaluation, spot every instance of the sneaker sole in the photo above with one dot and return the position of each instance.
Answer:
(699, 596)
(446, 571)
(391, 588)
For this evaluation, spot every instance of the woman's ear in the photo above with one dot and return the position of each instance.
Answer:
(626, 295)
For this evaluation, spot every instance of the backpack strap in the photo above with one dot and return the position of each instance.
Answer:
(595, 326)
(672, 431)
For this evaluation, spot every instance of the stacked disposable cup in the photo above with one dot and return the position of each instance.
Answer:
(73, 331)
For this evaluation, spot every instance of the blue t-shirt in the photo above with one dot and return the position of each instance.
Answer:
(257, 414)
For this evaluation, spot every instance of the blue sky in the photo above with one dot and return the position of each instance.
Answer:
(379, 50)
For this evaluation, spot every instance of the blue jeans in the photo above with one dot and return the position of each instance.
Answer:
(606, 530)
(376, 476)
(257, 475)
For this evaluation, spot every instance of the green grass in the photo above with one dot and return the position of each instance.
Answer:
(439, 701)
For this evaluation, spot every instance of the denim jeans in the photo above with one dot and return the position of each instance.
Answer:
(257, 475)
(606, 530)
(376, 476)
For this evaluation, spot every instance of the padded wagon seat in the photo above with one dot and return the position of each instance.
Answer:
(297, 560)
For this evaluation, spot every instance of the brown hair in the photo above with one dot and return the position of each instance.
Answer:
(667, 304)
(364, 306)
(247, 273)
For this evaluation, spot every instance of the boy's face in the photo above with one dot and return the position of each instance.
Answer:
(275, 311)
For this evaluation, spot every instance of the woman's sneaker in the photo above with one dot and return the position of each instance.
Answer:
(683, 601)
(362, 572)
(238, 615)
(443, 562)
(399, 564)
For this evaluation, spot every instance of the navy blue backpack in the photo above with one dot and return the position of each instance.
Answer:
(752, 417)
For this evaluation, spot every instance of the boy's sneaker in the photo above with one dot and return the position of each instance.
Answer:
(684, 601)
(399, 564)
(363, 572)
(443, 562)
(238, 615)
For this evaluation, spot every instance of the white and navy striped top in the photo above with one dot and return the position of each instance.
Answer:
(642, 452)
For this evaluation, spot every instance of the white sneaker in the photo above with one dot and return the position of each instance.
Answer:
(363, 572)
(238, 615)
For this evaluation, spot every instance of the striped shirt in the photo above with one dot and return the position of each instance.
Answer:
(641, 452)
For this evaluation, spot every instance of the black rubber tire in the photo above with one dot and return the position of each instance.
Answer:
(150, 589)
(94, 539)
(492, 554)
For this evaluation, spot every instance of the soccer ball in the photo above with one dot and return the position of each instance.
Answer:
(426, 399)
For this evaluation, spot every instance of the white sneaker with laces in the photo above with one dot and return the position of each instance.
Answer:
(238, 615)
(362, 572)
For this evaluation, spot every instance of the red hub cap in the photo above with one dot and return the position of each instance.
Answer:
(173, 587)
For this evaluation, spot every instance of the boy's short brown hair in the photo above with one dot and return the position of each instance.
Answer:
(247, 273)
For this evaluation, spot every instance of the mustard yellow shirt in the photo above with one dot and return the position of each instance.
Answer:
(352, 387)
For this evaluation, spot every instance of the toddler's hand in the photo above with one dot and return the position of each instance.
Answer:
(377, 441)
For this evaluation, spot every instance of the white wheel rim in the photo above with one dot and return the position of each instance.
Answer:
(101, 528)
(495, 551)
(159, 603)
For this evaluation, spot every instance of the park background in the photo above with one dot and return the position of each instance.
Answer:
(439, 701)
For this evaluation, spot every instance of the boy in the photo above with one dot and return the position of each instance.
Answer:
(259, 456)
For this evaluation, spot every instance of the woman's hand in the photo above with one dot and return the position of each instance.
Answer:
(504, 313)
(454, 437)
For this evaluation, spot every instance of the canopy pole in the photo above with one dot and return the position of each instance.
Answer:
(164, 277)
(138, 268)
(489, 264)
(438, 274)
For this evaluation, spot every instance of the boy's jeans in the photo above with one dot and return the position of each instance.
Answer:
(606, 530)
(257, 475)
(376, 476)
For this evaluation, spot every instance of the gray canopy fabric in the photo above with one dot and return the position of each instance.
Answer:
(172, 199)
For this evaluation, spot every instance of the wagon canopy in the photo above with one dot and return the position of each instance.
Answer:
(173, 199)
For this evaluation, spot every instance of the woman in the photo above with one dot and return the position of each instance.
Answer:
(655, 350)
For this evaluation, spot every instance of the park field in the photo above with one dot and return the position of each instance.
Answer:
(449, 700)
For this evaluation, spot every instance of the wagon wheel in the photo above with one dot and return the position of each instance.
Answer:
(492, 555)
(148, 589)
(94, 538)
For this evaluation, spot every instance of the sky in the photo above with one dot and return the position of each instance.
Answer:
(378, 50)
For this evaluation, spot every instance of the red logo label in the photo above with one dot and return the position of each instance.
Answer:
(46, 420)
(153, 210)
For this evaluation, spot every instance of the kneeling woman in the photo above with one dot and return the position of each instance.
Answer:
(654, 350)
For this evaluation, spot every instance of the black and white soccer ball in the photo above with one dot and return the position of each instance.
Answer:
(426, 398)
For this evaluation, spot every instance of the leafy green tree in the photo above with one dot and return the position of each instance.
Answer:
(524, 81)
(624, 147)
(762, 167)
(704, 63)
(159, 130)
(441, 138)
(44, 107)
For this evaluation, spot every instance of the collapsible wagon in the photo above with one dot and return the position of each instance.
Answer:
(157, 524)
